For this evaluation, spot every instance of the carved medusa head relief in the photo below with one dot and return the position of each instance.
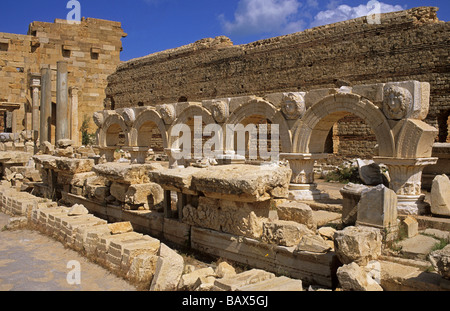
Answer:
(397, 102)
(293, 106)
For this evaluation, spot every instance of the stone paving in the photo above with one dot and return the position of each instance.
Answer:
(30, 261)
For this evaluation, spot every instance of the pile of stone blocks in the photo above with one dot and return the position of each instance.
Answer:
(129, 185)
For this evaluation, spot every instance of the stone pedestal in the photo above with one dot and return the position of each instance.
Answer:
(108, 152)
(351, 194)
(406, 181)
(302, 186)
(138, 154)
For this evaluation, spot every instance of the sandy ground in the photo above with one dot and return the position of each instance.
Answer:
(30, 261)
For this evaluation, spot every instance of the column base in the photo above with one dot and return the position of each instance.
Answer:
(306, 192)
(412, 205)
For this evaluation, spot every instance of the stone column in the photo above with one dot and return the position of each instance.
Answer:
(406, 181)
(302, 186)
(35, 88)
(74, 126)
(46, 105)
(62, 103)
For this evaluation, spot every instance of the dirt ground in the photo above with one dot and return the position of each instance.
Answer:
(30, 261)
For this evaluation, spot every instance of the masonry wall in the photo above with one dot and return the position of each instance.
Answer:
(407, 45)
(91, 48)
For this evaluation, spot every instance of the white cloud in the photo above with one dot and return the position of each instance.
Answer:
(345, 12)
(279, 17)
(263, 16)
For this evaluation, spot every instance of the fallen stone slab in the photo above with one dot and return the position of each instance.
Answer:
(417, 247)
(244, 183)
(177, 179)
(278, 284)
(73, 165)
(322, 218)
(126, 173)
(239, 280)
(400, 277)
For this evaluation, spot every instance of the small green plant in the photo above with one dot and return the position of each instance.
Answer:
(344, 174)
(86, 137)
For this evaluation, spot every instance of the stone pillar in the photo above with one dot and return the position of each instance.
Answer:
(46, 105)
(302, 186)
(74, 126)
(62, 103)
(35, 88)
(406, 181)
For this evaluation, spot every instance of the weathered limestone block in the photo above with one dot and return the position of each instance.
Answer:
(224, 269)
(169, 268)
(441, 261)
(233, 283)
(126, 173)
(358, 244)
(353, 278)
(74, 166)
(285, 233)
(174, 179)
(282, 283)
(188, 280)
(351, 194)
(378, 208)
(119, 190)
(245, 183)
(440, 195)
(298, 212)
(142, 268)
(120, 227)
(238, 218)
(150, 193)
(312, 243)
(77, 210)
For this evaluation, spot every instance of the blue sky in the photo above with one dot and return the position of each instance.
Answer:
(156, 25)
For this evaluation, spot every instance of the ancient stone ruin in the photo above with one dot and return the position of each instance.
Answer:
(237, 175)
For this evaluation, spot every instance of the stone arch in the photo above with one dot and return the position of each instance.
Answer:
(111, 128)
(145, 117)
(311, 131)
(270, 112)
